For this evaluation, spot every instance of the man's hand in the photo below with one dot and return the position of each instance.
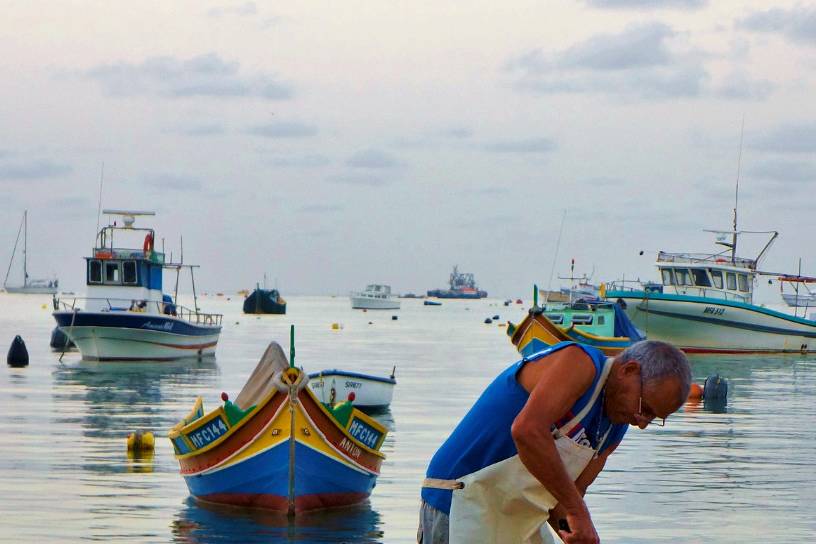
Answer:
(582, 531)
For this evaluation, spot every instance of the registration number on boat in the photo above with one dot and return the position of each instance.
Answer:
(365, 433)
(713, 310)
(208, 433)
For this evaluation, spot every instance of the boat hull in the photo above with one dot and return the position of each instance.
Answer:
(115, 336)
(285, 457)
(370, 392)
(368, 303)
(704, 325)
(444, 293)
(261, 302)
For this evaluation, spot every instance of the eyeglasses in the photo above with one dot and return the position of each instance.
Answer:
(660, 422)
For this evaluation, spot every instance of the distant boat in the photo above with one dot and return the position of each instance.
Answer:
(264, 301)
(462, 285)
(370, 392)
(277, 447)
(431, 303)
(126, 316)
(375, 297)
(30, 286)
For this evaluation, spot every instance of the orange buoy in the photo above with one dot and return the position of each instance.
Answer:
(695, 392)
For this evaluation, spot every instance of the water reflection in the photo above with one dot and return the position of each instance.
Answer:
(198, 523)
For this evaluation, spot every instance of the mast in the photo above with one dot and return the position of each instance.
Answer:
(736, 197)
(13, 251)
(25, 248)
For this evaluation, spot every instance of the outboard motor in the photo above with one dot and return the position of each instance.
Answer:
(17, 353)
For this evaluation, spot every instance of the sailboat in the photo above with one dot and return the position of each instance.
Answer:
(30, 286)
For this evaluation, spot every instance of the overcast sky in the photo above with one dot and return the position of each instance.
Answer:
(334, 144)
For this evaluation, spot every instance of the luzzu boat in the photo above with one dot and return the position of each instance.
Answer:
(126, 316)
(705, 305)
(278, 447)
(594, 322)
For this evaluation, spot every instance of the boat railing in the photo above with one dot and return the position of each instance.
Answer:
(143, 306)
(705, 258)
(127, 253)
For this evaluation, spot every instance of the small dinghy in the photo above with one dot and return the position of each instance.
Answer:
(370, 392)
(431, 303)
(277, 446)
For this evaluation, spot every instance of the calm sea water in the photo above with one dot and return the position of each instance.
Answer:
(739, 474)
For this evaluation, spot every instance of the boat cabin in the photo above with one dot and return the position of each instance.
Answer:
(376, 290)
(707, 276)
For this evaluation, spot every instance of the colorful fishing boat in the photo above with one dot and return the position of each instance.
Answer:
(126, 316)
(597, 323)
(278, 447)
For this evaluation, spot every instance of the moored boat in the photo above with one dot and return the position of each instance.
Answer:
(277, 446)
(264, 301)
(30, 285)
(462, 285)
(375, 297)
(125, 315)
(370, 392)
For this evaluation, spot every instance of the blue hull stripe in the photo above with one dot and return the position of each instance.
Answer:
(126, 320)
(641, 296)
(267, 473)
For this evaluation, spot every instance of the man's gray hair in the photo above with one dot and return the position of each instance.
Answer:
(658, 361)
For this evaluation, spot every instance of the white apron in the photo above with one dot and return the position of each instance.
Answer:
(503, 503)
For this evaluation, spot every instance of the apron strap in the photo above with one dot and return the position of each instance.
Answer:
(607, 368)
(435, 483)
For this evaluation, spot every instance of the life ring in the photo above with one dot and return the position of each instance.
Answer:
(147, 247)
(720, 260)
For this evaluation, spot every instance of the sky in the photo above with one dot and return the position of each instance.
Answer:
(331, 145)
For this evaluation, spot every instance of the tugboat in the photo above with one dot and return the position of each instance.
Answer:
(126, 316)
(462, 285)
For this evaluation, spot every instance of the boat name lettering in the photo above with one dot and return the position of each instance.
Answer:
(347, 445)
(208, 433)
(365, 433)
(353, 385)
(713, 310)
(167, 326)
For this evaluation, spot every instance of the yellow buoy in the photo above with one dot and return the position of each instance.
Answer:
(44, 306)
(139, 441)
(335, 326)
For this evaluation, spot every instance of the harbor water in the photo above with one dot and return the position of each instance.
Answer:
(715, 474)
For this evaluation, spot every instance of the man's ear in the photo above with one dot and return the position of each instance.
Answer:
(631, 367)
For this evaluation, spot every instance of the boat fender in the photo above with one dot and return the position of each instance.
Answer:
(147, 247)
(17, 353)
(716, 388)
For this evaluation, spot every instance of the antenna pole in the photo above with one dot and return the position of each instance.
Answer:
(25, 248)
(99, 206)
(13, 252)
(736, 196)
(292, 346)
(555, 257)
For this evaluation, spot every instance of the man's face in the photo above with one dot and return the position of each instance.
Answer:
(638, 403)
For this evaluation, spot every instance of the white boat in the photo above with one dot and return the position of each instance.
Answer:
(126, 316)
(704, 304)
(30, 286)
(375, 297)
(370, 392)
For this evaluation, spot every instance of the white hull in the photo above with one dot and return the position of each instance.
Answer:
(31, 290)
(368, 303)
(125, 344)
(367, 393)
(715, 326)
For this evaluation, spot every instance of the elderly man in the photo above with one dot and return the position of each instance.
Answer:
(538, 436)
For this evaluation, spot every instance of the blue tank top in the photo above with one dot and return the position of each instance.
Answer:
(483, 437)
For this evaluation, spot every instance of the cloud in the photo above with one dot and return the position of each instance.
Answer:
(283, 129)
(646, 60)
(785, 171)
(172, 182)
(368, 180)
(33, 170)
(372, 158)
(208, 129)
(740, 86)
(304, 161)
(532, 145)
(797, 24)
(647, 4)
(793, 138)
(240, 10)
(320, 208)
(204, 76)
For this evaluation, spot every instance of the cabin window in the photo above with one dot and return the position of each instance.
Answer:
(731, 281)
(683, 276)
(716, 275)
(112, 273)
(556, 318)
(700, 277)
(601, 320)
(94, 271)
(582, 319)
(129, 272)
(743, 282)
(668, 278)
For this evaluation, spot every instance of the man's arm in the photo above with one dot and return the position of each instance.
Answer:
(554, 385)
